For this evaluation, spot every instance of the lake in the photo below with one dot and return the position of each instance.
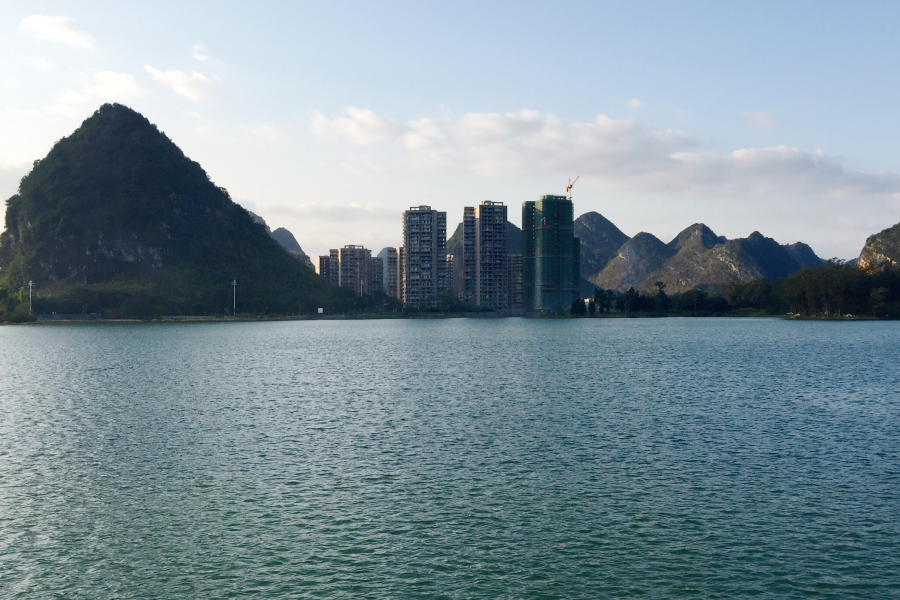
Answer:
(455, 458)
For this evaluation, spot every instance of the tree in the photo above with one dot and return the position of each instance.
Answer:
(600, 298)
(879, 295)
(577, 309)
(693, 300)
(662, 300)
(609, 300)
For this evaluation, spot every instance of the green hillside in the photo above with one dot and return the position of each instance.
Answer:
(116, 219)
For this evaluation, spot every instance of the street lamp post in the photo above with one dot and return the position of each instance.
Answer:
(233, 297)
(30, 288)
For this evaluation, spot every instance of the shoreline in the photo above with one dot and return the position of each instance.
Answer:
(72, 319)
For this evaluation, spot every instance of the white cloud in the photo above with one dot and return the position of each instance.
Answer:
(192, 86)
(615, 154)
(59, 29)
(760, 118)
(106, 85)
(200, 53)
(38, 63)
(112, 85)
(267, 133)
(423, 134)
(360, 126)
(635, 103)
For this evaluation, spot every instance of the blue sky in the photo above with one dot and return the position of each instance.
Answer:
(331, 118)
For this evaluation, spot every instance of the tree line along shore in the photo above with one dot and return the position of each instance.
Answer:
(835, 290)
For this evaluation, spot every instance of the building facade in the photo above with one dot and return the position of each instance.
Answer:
(515, 281)
(468, 260)
(425, 277)
(551, 261)
(329, 267)
(391, 272)
(354, 268)
(355, 264)
(376, 275)
(491, 268)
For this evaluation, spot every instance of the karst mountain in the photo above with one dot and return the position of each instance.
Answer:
(117, 218)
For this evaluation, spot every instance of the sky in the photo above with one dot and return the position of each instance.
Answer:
(330, 119)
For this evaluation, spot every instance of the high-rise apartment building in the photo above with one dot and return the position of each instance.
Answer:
(485, 269)
(334, 266)
(391, 272)
(355, 263)
(329, 267)
(551, 261)
(354, 268)
(376, 275)
(515, 281)
(469, 269)
(401, 259)
(491, 268)
(425, 277)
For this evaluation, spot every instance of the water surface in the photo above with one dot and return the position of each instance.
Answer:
(451, 459)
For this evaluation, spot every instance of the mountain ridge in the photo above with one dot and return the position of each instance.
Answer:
(600, 241)
(696, 258)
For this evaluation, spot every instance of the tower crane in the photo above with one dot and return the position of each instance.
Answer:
(569, 187)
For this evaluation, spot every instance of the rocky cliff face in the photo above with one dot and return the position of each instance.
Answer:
(698, 258)
(600, 242)
(641, 255)
(696, 238)
(882, 250)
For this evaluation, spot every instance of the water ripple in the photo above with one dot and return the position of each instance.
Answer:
(451, 459)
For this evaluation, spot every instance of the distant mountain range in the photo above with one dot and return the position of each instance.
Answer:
(696, 259)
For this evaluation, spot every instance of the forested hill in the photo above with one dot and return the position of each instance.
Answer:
(117, 219)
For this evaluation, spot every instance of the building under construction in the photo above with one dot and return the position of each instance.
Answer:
(551, 261)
